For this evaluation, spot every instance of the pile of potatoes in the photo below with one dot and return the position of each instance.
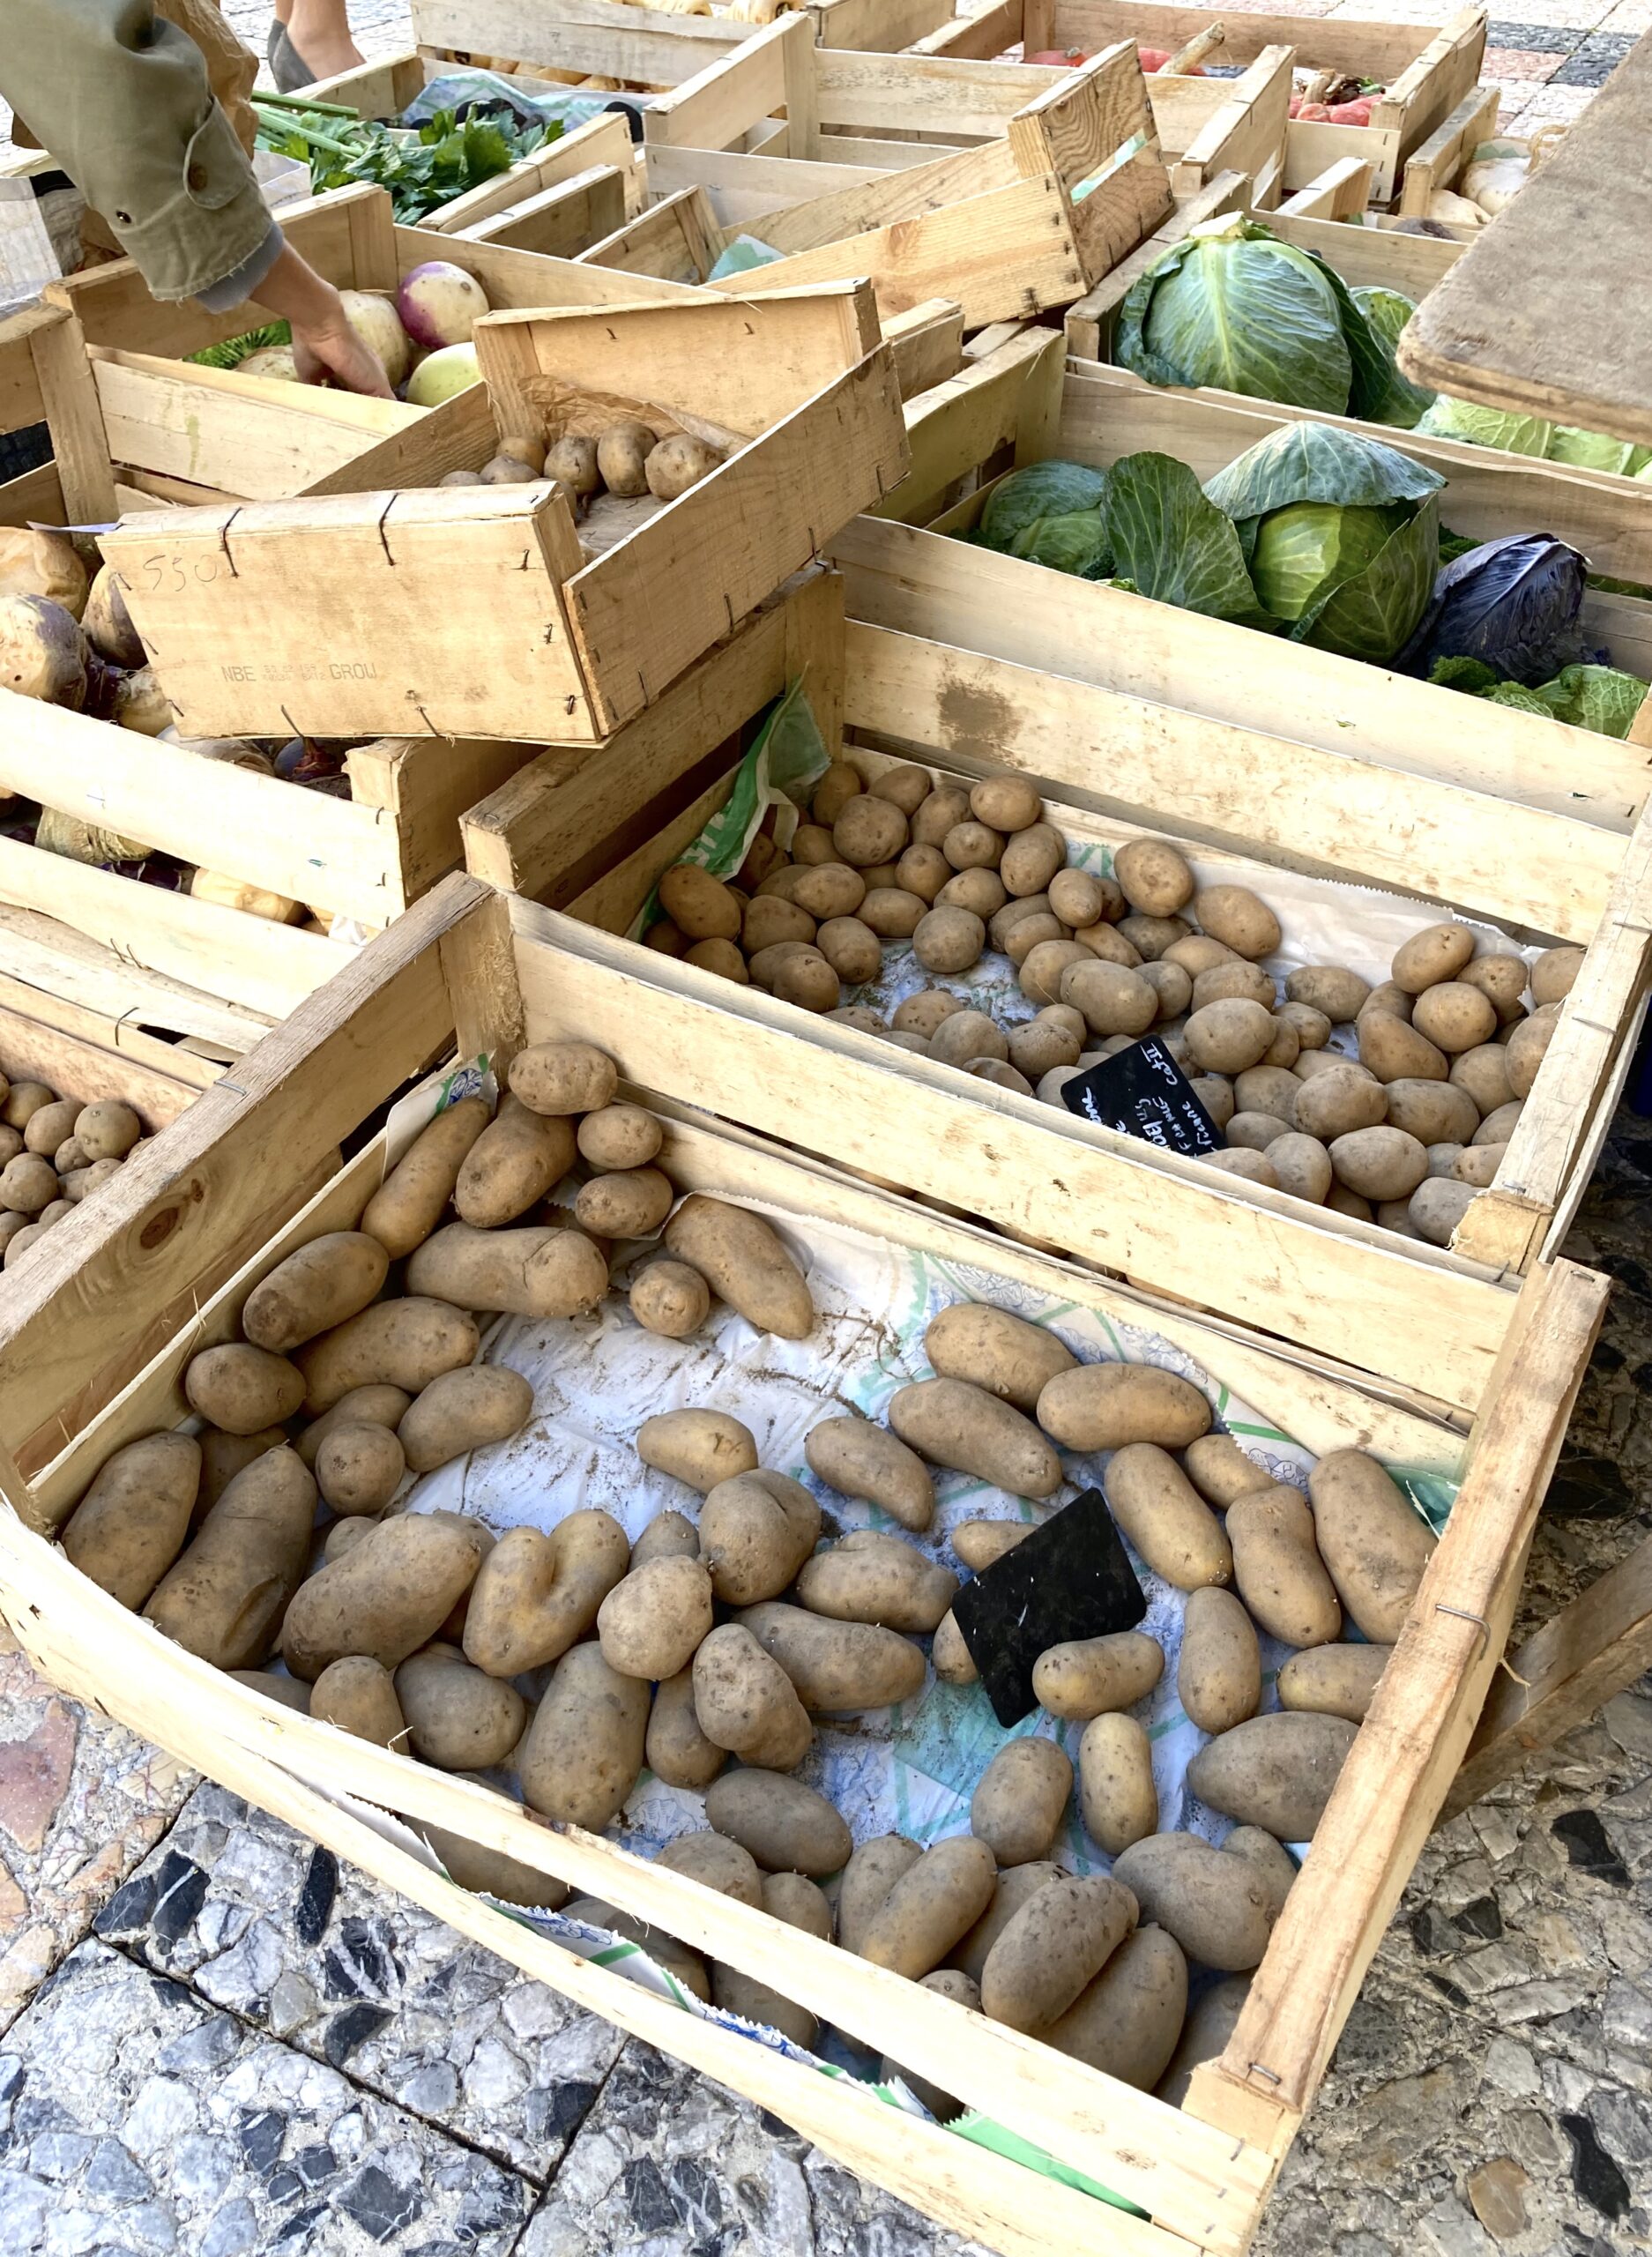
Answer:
(627, 460)
(1402, 1134)
(55, 1153)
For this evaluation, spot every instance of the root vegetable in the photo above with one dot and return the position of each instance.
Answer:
(374, 322)
(43, 653)
(676, 465)
(38, 563)
(443, 375)
(437, 305)
(622, 453)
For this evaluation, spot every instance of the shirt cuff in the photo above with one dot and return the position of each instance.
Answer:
(236, 289)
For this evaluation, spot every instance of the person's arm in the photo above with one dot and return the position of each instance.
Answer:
(120, 98)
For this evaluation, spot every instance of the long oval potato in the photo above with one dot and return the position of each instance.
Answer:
(1004, 1354)
(744, 1262)
(1019, 1800)
(463, 1411)
(333, 1278)
(1127, 2022)
(862, 1460)
(1164, 1517)
(1087, 1677)
(1334, 1681)
(979, 1543)
(1106, 1406)
(1216, 1913)
(241, 1389)
(408, 1204)
(716, 1862)
(1117, 1797)
(1015, 1887)
(490, 1872)
(873, 1870)
(534, 1594)
(388, 1596)
(786, 1826)
(129, 1526)
(404, 1344)
(838, 1668)
(702, 1447)
(953, 1423)
(1276, 1771)
(1053, 1949)
(541, 1271)
(1221, 1470)
(872, 1577)
(519, 1155)
(1277, 1566)
(583, 1751)
(931, 1908)
(1219, 1675)
(651, 1623)
(224, 1599)
(562, 1077)
(1376, 1549)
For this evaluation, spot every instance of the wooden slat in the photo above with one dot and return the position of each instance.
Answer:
(20, 401)
(858, 207)
(1341, 192)
(678, 240)
(80, 440)
(606, 38)
(729, 95)
(418, 788)
(561, 221)
(1247, 131)
(1072, 132)
(927, 343)
(70, 1066)
(1110, 1200)
(1403, 1763)
(1009, 398)
(1437, 162)
(43, 954)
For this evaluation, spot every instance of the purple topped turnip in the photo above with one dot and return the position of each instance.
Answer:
(438, 303)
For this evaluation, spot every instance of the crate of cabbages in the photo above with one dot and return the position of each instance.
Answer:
(806, 1629)
(1405, 1032)
(674, 463)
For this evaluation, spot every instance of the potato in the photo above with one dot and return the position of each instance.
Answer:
(1526, 1048)
(1390, 1001)
(1113, 999)
(363, 1406)
(1374, 1545)
(1334, 1681)
(745, 1702)
(677, 464)
(1341, 1201)
(1255, 1131)
(979, 1543)
(1007, 803)
(931, 1907)
(975, 846)
(947, 806)
(1221, 1470)
(838, 1668)
(1396, 1052)
(619, 1136)
(516, 1160)
(631, 1203)
(1235, 916)
(1249, 1166)
(130, 1525)
(1117, 1797)
(1216, 1094)
(836, 787)
(671, 1298)
(1498, 1127)
(863, 1460)
(573, 460)
(701, 1448)
(1053, 1948)
(1041, 1045)
(388, 1595)
(869, 1575)
(241, 1389)
(868, 832)
(1227, 1036)
(1220, 1916)
(1454, 1015)
(1379, 1163)
(22, 1101)
(954, 1424)
(872, 1871)
(1046, 964)
(28, 1185)
(677, 1750)
(906, 787)
(949, 940)
(1478, 1164)
(1234, 981)
(946, 1982)
(1031, 859)
(286, 1690)
(744, 1262)
(358, 1468)
(851, 949)
(537, 1271)
(1438, 953)
(949, 1656)
(322, 1285)
(224, 1599)
(1342, 1101)
(924, 871)
(652, 1623)
(1210, 2024)
(408, 1204)
(622, 452)
(768, 921)
(1020, 1798)
(1004, 1355)
(1079, 898)
(50, 1127)
(1330, 989)
(1269, 1863)
(463, 1411)
(979, 891)
(358, 1696)
(1277, 1569)
(1435, 1112)
(1554, 975)
(1275, 1771)
(1150, 936)
(1483, 1076)
(1219, 1675)
(584, 1749)
(756, 1530)
(966, 1036)
(1301, 1165)
(558, 1078)
(457, 1718)
(1105, 1407)
(535, 1594)
(1311, 1027)
(1170, 1525)
(892, 914)
(490, 1872)
(700, 905)
(1501, 980)
(1153, 876)
(225, 1456)
(1437, 1207)
(786, 1827)
(1127, 2022)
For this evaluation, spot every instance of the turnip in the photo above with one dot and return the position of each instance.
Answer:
(373, 321)
(107, 623)
(141, 704)
(39, 563)
(43, 653)
(439, 375)
(438, 303)
(275, 361)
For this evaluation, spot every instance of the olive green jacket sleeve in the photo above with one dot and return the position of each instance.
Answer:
(120, 98)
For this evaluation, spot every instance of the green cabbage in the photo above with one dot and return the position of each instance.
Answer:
(1403, 403)
(1485, 427)
(1043, 490)
(1594, 451)
(1075, 543)
(1174, 544)
(1601, 698)
(1310, 546)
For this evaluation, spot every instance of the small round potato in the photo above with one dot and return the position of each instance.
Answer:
(922, 1014)
(677, 464)
(1242, 1160)
(1165, 1519)
(387, 1597)
(863, 1460)
(1219, 1676)
(1233, 981)
(51, 1126)
(925, 871)
(807, 981)
(28, 1185)
(1482, 1074)
(1091, 1677)
(1006, 803)
(619, 1137)
(1170, 985)
(1330, 989)
(1031, 859)
(457, 1718)
(756, 1530)
(1498, 1127)
(1153, 876)
(1340, 1101)
(908, 787)
(1501, 980)
(1150, 936)
(979, 891)
(1312, 1028)
(358, 1696)
(1454, 1015)
(1302, 1166)
(652, 1623)
(967, 1035)
(931, 1907)
(1390, 1001)
(1379, 1163)
(769, 919)
(363, 1406)
(1395, 1051)
(1438, 953)
(1044, 966)
(358, 1468)
(132, 1523)
(1117, 1797)
(677, 1751)
(22, 1101)
(946, 807)
(1554, 975)
(1526, 1047)
(1227, 1038)
(241, 1389)
(632, 1203)
(1236, 917)
(868, 832)
(108, 1129)
(1435, 1112)
(851, 949)
(830, 890)
(721, 957)
(970, 845)
(872, 1869)
(1080, 897)
(622, 453)
(1042, 1044)
(979, 1543)
(701, 1448)
(1222, 1471)
(1113, 1000)
(891, 913)
(836, 787)
(1478, 1164)
(1109, 943)
(671, 1298)
(1334, 1681)
(949, 940)
(1217, 1912)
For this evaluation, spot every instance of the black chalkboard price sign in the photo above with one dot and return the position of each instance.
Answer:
(1144, 1092)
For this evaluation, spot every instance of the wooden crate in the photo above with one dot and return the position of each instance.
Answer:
(1194, 2178)
(372, 611)
(1242, 803)
(1441, 160)
(1427, 72)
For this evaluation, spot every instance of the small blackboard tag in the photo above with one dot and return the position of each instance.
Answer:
(1144, 1092)
(1069, 1579)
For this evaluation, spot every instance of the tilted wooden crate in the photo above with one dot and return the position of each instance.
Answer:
(1426, 72)
(459, 965)
(476, 613)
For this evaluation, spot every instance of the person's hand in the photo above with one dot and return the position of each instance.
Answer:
(324, 343)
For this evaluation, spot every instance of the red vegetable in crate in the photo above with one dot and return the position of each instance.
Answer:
(1312, 113)
(1354, 113)
(1055, 58)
